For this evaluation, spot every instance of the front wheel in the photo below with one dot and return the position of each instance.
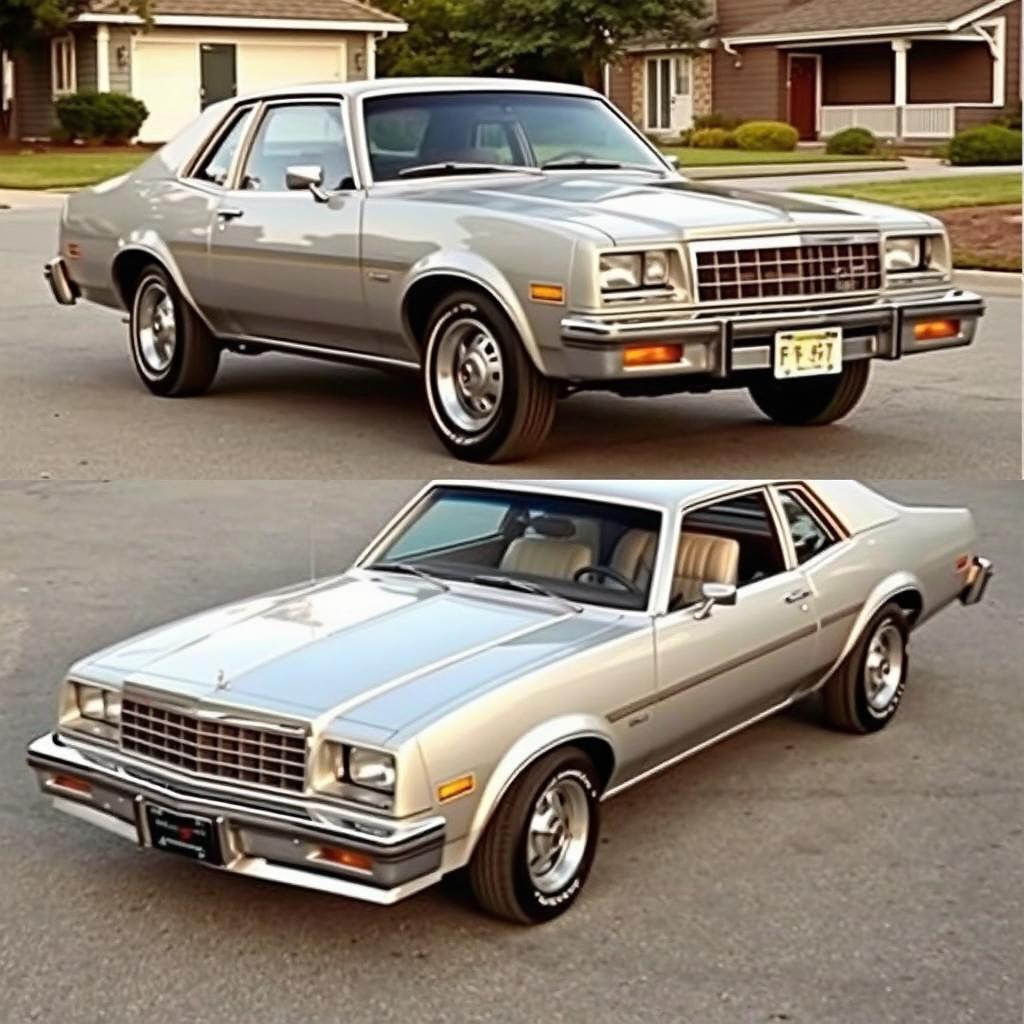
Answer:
(172, 350)
(536, 852)
(488, 402)
(814, 401)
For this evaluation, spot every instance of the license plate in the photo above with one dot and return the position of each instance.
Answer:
(183, 834)
(808, 353)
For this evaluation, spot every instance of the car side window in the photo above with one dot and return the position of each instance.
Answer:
(216, 165)
(810, 535)
(301, 134)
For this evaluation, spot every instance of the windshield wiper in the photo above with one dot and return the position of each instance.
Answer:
(409, 570)
(459, 167)
(588, 163)
(507, 583)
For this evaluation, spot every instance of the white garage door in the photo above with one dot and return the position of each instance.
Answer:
(165, 76)
(264, 66)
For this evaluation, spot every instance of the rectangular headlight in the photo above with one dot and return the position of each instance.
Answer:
(621, 271)
(90, 709)
(904, 254)
(371, 768)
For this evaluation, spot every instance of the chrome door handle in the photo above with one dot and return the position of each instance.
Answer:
(230, 213)
(797, 595)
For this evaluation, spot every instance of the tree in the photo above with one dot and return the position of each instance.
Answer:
(435, 43)
(575, 36)
(23, 21)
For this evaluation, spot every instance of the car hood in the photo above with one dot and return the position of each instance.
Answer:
(630, 208)
(380, 651)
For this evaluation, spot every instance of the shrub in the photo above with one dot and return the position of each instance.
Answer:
(712, 138)
(766, 136)
(1010, 118)
(100, 116)
(987, 144)
(852, 142)
(717, 120)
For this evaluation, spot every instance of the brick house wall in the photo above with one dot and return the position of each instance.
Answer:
(626, 83)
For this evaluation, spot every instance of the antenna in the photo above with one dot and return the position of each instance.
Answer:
(312, 539)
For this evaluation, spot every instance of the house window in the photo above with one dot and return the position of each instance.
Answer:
(667, 90)
(62, 65)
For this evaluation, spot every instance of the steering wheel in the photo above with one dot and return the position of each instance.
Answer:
(568, 155)
(612, 574)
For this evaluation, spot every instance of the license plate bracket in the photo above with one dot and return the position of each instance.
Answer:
(808, 353)
(187, 835)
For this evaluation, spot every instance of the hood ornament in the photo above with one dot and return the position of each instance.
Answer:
(222, 683)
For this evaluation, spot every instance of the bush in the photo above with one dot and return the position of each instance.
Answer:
(852, 142)
(987, 144)
(110, 117)
(766, 136)
(1010, 118)
(716, 120)
(712, 138)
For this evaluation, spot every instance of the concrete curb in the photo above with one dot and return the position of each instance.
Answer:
(1004, 284)
(785, 170)
(24, 199)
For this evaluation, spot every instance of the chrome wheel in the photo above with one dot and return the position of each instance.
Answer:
(470, 374)
(557, 835)
(884, 666)
(155, 328)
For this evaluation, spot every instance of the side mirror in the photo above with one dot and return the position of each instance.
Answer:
(306, 176)
(715, 593)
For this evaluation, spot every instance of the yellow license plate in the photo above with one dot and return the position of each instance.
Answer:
(807, 353)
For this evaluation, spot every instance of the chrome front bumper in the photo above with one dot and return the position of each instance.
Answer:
(283, 842)
(722, 344)
(978, 577)
(65, 291)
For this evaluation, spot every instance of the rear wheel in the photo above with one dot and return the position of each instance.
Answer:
(815, 401)
(536, 853)
(488, 402)
(173, 352)
(866, 690)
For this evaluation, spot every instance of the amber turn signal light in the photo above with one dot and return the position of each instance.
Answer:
(547, 292)
(455, 787)
(932, 330)
(69, 782)
(346, 858)
(651, 355)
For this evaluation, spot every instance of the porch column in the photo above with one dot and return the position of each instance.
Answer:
(102, 58)
(900, 48)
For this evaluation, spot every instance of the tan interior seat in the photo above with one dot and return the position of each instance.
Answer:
(550, 549)
(703, 558)
(633, 556)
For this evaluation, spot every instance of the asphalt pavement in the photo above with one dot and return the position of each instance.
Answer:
(72, 407)
(788, 874)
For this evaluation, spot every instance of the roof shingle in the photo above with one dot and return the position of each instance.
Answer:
(311, 10)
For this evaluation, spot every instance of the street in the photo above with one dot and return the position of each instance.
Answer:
(790, 873)
(72, 407)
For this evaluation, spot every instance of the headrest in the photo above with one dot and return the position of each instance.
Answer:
(553, 526)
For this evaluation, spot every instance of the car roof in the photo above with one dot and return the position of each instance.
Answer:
(378, 86)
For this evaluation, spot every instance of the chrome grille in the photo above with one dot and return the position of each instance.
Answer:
(790, 271)
(261, 756)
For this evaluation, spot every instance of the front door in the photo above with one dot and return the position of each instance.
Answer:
(668, 97)
(284, 266)
(217, 73)
(803, 95)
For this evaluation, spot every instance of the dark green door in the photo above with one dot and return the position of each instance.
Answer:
(217, 68)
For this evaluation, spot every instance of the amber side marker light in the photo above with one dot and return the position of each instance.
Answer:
(69, 782)
(547, 292)
(455, 787)
(933, 330)
(651, 355)
(346, 858)
(73, 250)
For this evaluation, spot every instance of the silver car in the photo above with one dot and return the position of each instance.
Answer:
(499, 660)
(512, 242)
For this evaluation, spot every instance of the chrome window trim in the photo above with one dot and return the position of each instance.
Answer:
(246, 109)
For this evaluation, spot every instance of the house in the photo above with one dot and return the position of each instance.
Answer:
(909, 70)
(194, 53)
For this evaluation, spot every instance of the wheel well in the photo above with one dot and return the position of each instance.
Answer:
(422, 298)
(912, 604)
(127, 269)
(600, 752)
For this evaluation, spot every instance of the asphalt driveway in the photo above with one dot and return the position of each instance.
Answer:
(73, 408)
(788, 874)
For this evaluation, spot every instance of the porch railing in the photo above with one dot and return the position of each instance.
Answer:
(914, 121)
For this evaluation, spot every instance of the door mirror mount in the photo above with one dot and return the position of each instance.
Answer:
(715, 593)
(309, 177)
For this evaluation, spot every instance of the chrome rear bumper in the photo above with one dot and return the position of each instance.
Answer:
(65, 291)
(726, 343)
(978, 577)
(280, 843)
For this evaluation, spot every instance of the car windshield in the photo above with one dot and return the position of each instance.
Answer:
(575, 549)
(495, 130)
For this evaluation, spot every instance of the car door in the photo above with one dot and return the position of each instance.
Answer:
(284, 265)
(720, 670)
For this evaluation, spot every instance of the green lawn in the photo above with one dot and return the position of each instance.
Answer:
(714, 157)
(65, 169)
(935, 193)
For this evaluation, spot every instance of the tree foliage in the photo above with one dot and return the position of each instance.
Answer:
(434, 44)
(23, 21)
